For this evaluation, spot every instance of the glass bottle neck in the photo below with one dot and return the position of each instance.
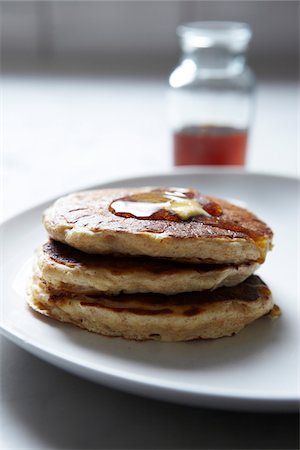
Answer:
(215, 62)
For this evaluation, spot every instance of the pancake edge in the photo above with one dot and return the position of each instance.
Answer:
(113, 279)
(218, 319)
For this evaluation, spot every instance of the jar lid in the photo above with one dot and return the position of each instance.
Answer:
(235, 35)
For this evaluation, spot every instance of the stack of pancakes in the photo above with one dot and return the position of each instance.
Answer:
(152, 263)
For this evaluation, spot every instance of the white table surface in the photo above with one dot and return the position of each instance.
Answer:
(61, 134)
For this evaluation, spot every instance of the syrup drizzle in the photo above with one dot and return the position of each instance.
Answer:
(155, 205)
(172, 204)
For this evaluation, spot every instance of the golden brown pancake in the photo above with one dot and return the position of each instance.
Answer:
(64, 268)
(86, 221)
(181, 317)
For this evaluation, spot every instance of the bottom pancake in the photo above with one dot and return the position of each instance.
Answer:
(180, 317)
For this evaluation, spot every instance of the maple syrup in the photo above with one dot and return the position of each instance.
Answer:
(210, 145)
(165, 204)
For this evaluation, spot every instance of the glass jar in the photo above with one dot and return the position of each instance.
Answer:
(211, 98)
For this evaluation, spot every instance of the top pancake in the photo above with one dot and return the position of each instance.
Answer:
(83, 220)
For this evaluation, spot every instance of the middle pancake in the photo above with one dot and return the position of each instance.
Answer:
(64, 268)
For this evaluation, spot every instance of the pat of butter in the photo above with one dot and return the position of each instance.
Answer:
(186, 209)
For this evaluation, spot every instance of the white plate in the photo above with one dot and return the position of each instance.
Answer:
(255, 370)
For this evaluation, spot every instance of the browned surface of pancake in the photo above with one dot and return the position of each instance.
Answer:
(90, 209)
(250, 290)
(83, 220)
(69, 256)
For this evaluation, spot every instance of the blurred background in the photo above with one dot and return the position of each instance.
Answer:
(101, 35)
(84, 89)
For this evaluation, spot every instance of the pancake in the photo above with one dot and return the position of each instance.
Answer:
(87, 221)
(64, 268)
(181, 317)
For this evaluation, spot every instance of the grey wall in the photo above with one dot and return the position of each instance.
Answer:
(65, 30)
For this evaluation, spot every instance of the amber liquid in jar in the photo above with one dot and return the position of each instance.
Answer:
(210, 145)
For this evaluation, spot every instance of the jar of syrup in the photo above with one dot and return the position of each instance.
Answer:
(211, 95)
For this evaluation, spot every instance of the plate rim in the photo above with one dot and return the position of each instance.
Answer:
(145, 386)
